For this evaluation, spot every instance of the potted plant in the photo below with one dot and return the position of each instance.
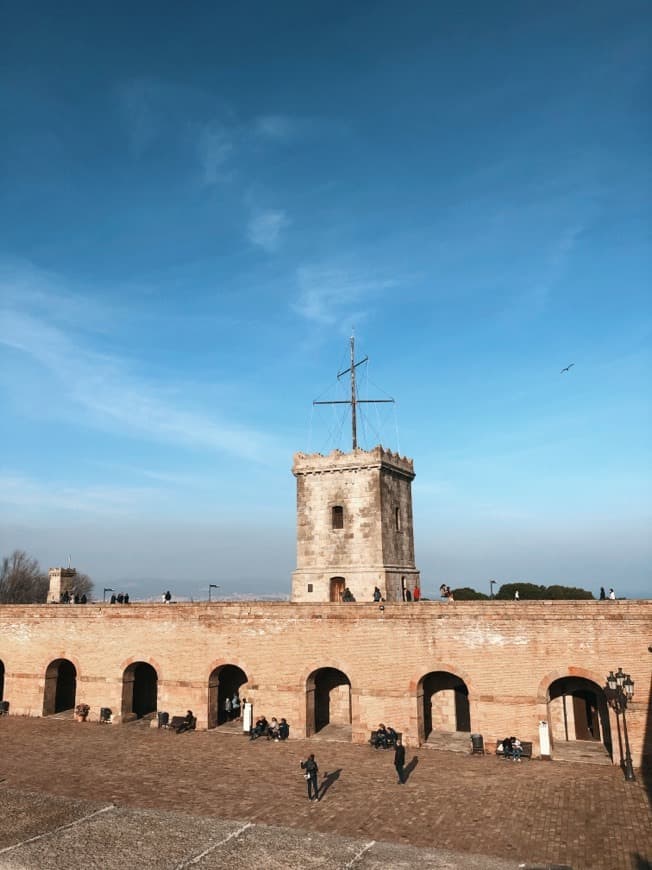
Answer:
(81, 712)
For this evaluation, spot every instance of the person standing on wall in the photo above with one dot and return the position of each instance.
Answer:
(612, 595)
(399, 760)
(602, 594)
(310, 775)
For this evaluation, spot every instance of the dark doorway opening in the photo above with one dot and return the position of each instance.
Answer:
(578, 710)
(139, 691)
(443, 700)
(60, 687)
(223, 683)
(2, 680)
(328, 699)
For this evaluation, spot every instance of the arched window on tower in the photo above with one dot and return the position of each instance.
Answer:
(337, 517)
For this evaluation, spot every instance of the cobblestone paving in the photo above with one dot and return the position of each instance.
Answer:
(533, 813)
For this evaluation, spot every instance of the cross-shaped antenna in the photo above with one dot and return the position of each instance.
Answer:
(353, 401)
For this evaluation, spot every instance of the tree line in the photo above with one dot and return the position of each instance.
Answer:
(526, 592)
(23, 582)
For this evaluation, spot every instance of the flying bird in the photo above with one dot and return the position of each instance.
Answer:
(567, 369)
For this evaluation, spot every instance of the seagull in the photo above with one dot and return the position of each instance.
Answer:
(567, 369)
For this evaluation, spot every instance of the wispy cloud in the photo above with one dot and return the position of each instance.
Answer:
(19, 491)
(328, 293)
(289, 128)
(113, 395)
(265, 229)
(214, 147)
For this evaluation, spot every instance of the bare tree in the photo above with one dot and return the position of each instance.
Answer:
(82, 585)
(21, 580)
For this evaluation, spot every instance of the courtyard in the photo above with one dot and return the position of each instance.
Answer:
(98, 793)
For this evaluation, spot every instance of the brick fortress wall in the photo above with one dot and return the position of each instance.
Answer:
(507, 654)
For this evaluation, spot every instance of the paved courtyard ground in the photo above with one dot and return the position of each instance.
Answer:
(106, 796)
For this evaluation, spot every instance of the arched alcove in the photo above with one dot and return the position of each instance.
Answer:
(443, 699)
(328, 699)
(578, 710)
(60, 687)
(223, 682)
(139, 690)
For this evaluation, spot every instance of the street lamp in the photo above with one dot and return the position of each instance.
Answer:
(619, 691)
(492, 583)
(211, 586)
(106, 589)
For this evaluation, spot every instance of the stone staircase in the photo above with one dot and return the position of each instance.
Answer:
(449, 741)
(581, 752)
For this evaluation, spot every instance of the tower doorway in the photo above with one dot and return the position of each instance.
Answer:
(328, 700)
(60, 687)
(139, 691)
(443, 700)
(222, 684)
(337, 587)
(2, 680)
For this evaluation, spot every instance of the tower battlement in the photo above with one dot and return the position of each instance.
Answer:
(337, 460)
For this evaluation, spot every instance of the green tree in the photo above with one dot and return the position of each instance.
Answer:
(466, 593)
(526, 591)
(21, 580)
(568, 592)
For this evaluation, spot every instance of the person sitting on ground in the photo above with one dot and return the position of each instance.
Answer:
(83, 599)
(283, 730)
(188, 723)
(259, 728)
(272, 729)
(347, 595)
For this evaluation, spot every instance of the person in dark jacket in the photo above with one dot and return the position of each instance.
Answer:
(399, 760)
(311, 771)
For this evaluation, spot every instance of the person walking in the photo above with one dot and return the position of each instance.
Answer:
(227, 708)
(235, 705)
(399, 760)
(311, 771)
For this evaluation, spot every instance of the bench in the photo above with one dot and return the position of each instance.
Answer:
(526, 749)
(178, 724)
(390, 744)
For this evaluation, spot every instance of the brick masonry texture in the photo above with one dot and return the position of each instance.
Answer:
(507, 653)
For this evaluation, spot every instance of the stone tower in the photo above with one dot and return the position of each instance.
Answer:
(354, 526)
(61, 580)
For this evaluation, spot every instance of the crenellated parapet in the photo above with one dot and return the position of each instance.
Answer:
(337, 460)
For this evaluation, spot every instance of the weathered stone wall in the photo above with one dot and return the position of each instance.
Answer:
(374, 490)
(507, 654)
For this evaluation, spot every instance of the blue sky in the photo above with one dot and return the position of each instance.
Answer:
(198, 205)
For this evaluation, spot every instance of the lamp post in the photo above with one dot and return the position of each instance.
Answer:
(619, 691)
(492, 583)
(106, 589)
(211, 586)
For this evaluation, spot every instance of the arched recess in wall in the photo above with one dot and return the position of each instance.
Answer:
(139, 691)
(328, 701)
(443, 700)
(60, 687)
(223, 683)
(578, 711)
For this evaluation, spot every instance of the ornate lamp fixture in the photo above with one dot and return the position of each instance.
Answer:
(619, 691)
